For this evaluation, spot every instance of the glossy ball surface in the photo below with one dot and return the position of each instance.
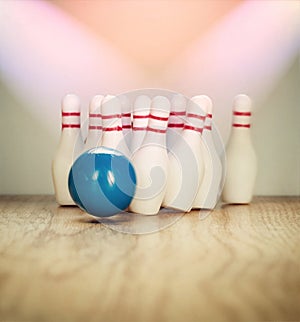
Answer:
(102, 182)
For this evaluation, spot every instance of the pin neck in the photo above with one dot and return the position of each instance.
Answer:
(241, 119)
(70, 120)
(140, 123)
(158, 123)
(111, 122)
(208, 122)
(126, 121)
(95, 122)
(195, 122)
(176, 119)
(157, 128)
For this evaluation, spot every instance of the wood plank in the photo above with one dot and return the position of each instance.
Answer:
(239, 263)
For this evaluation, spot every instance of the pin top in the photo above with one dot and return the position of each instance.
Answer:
(242, 103)
(195, 108)
(108, 98)
(160, 106)
(125, 103)
(70, 103)
(95, 104)
(178, 103)
(204, 102)
(142, 105)
(111, 106)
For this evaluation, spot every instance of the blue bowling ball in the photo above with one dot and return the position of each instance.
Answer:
(102, 182)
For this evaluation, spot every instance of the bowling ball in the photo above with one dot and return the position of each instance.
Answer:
(102, 182)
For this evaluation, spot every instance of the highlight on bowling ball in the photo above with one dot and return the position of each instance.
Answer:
(102, 182)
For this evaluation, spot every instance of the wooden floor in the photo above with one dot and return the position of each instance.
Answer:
(238, 263)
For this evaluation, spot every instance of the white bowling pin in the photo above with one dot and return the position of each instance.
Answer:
(94, 136)
(112, 136)
(209, 189)
(176, 119)
(240, 155)
(151, 161)
(141, 111)
(69, 148)
(186, 164)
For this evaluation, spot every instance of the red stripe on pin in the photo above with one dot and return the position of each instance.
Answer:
(111, 116)
(95, 127)
(126, 114)
(110, 129)
(200, 117)
(94, 115)
(156, 130)
(193, 128)
(241, 125)
(70, 126)
(209, 116)
(177, 125)
(140, 116)
(70, 113)
(207, 127)
(177, 113)
(159, 118)
(241, 113)
(126, 126)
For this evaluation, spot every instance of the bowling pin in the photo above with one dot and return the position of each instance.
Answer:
(141, 111)
(94, 136)
(186, 162)
(69, 148)
(176, 119)
(209, 189)
(240, 155)
(126, 118)
(151, 161)
(112, 136)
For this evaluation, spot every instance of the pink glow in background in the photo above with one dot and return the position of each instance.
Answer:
(219, 48)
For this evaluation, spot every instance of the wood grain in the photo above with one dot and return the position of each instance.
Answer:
(239, 263)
